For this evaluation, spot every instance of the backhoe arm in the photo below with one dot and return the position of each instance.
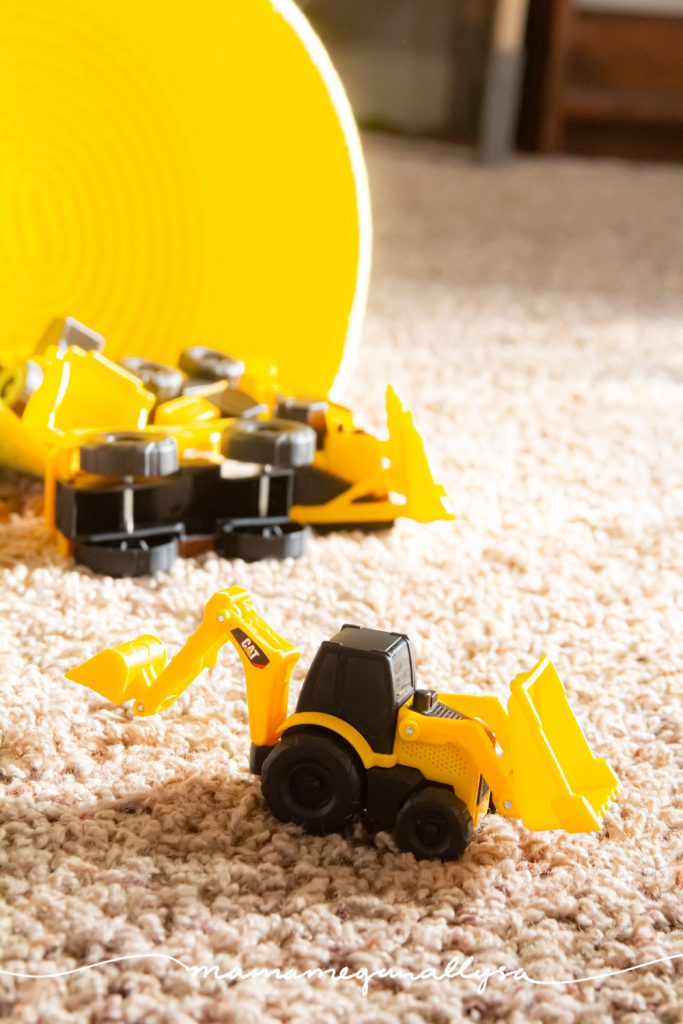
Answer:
(139, 670)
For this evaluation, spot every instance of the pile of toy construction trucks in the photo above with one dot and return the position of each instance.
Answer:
(143, 462)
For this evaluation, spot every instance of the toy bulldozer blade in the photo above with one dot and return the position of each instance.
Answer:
(426, 499)
(558, 782)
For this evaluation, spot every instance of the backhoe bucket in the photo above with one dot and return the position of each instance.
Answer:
(426, 500)
(122, 673)
(558, 782)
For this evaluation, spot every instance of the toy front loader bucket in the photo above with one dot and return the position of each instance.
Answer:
(411, 473)
(558, 782)
(122, 673)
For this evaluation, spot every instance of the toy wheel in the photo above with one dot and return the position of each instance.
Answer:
(136, 556)
(129, 453)
(313, 778)
(209, 364)
(254, 543)
(282, 443)
(163, 381)
(434, 824)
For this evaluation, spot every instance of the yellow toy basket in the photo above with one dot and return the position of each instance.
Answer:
(178, 174)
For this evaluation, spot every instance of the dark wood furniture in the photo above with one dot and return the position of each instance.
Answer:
(603, 82)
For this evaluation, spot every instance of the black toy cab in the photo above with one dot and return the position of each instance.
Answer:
(362, 676)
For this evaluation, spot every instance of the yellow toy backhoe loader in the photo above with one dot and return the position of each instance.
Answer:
(363, 738)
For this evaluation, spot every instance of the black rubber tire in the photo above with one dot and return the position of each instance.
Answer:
(434, 824)
(209, 364)
(129, 453)
(282, 443)
(165, 382)
(314, 779)
(134, 557)
(254, 543)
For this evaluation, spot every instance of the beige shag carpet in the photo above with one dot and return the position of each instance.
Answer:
(533, 318)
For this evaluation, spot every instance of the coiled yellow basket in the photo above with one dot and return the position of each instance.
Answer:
(178, 174)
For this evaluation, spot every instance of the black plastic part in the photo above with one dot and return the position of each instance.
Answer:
(134, 556)
(279, 539)
(387, 791)
(257, 756)
(314, 486)
(165, 382)
(434, 824)
(303, 410)
(313, 778)
(348, 524)
(231, 402)
(424, 701)
(129, 453)
(282, 443)
(198, 497)
(209, 364)
(362, 676)
(440, 710)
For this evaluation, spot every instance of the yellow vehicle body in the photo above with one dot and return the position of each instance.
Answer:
(532, 755)
(79, 390)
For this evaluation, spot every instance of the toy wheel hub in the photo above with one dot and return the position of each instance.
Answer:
(430, 830)
(310, 786)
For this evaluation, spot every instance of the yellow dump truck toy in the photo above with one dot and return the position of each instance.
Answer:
(364, 739)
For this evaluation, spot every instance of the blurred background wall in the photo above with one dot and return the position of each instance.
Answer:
(597, 77)
(414, 66)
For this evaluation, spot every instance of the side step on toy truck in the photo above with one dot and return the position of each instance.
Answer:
(363, 738)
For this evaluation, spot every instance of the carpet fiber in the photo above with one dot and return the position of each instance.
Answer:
(532, 317)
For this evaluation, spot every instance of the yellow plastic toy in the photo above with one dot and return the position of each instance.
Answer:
(380, 479)
(77, 390)
(364, 738)
(181, 174)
